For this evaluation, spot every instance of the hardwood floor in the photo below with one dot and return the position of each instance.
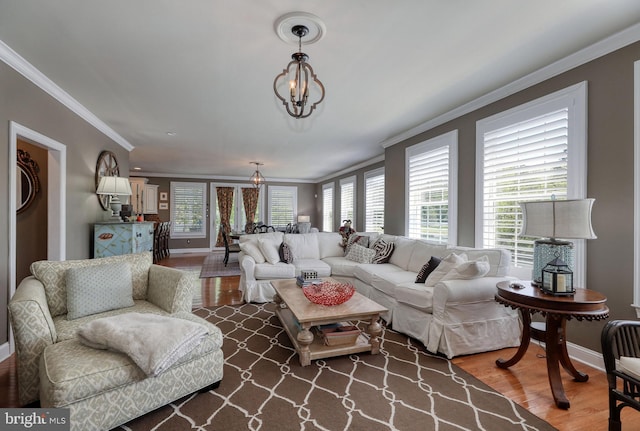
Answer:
(526, 383)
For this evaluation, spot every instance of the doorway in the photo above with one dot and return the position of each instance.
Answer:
(238, 217)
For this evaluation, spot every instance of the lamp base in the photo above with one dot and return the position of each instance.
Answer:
(544, 251)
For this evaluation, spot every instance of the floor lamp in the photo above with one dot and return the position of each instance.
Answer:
(566, 219)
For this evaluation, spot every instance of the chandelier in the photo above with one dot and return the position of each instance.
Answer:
(257, 179)
(298, 80)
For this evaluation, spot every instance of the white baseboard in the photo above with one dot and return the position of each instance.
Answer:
(5, 351)
(189, 250)
(584, 355)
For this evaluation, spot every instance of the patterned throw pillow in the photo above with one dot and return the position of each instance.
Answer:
(362, 240)
(427, 269)
(383, 251)
(360, 254)
(285, 253)
(99, 288)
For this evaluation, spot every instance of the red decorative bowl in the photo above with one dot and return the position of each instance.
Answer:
(328, 293)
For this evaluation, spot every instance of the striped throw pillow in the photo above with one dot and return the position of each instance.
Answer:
(383, 250)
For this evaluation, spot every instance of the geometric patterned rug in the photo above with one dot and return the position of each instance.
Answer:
(402, 388)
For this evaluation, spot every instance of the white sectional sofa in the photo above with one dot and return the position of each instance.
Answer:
(454, 316)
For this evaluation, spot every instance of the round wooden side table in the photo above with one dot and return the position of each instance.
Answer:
(584, 305)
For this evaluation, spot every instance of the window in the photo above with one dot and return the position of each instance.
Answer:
(283, 205)
(531, 152)
(238, 219)
(327, 207)
(432, 189)
(188, 210)
(348, 200)
(374, 200)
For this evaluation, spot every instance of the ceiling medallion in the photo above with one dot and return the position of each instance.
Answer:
(298, 87)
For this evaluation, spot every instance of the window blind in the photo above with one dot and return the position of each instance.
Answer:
(347, 200)
(188, 210)
(525, 161)
(374, 200)
(283, 202)
(327, 208)
(428, 190)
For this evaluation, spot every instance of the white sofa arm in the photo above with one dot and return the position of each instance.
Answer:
(247, 266)
(465, 291)
(33, 330)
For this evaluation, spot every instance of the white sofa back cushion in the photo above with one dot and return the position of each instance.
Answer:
(499, 258)
(275, 236)
(402, 251)
(270, 250)
(329, 243)
(303, 245)
(251, 248)
(422, 252)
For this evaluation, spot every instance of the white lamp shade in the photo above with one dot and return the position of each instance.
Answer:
(568, 219)
(304, 219)
(114, 186)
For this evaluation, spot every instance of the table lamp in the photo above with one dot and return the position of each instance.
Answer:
(566, 219)
(114, 187)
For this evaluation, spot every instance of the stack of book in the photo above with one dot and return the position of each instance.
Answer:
(303, 282)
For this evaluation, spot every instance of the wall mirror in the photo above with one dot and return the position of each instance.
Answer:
(27, 182)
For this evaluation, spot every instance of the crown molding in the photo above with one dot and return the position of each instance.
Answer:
(590, 53)
(215, 177)
(360, 165)
(26, 69)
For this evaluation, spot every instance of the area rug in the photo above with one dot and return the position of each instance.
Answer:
(213, 266)
(264, 388)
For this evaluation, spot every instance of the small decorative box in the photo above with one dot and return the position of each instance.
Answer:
(308, 274)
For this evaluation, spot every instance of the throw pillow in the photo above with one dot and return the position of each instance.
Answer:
(362, 240)
(427, 269)
(469, 270)
(447, 264)
(269, 250)
(360, 254)
(98, 288)
(383, 251)
(285, 253)
(250, 248)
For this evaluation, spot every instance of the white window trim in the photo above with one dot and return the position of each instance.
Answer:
(573, 97)
(184, 235)
(333, 206)
(367, 175)
(636, 183)
(344, 181)
(450, 139)
(270, 191)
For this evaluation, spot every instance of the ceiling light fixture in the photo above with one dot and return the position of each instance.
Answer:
(298, 81)
(257, 179)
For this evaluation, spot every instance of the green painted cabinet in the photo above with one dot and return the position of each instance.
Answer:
(111, 239)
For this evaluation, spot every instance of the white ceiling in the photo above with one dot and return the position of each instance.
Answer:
(204, 70)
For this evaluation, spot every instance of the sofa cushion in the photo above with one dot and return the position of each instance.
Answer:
(341, 266)
(266, 271)
(251, 248)
(383, 250)
(285, 253)
(367, 272)
(469, 270)
(415, 295)
(360, 254)
(361, 240)
(269, 250)
(92, 290)
(446, 264)
(427, 269)
(630, 365)
(51, 274)
(320, 267)
(403, 248)
(303, 245)
(330, 244)
(422, 252)
(254, 237)
(388, 282)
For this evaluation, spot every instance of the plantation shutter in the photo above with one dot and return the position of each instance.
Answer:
(188, 210)
(428, 189)
(327, 208)
(283, 203)
(525, 161)
(347, 200)
(374, 201)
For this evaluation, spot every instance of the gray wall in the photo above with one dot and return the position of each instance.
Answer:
(21, 101)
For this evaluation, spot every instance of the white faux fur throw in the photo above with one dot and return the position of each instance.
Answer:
(153, 342)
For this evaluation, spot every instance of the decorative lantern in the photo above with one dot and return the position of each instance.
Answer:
(557, 278)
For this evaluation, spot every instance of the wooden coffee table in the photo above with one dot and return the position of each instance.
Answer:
(299, 315)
